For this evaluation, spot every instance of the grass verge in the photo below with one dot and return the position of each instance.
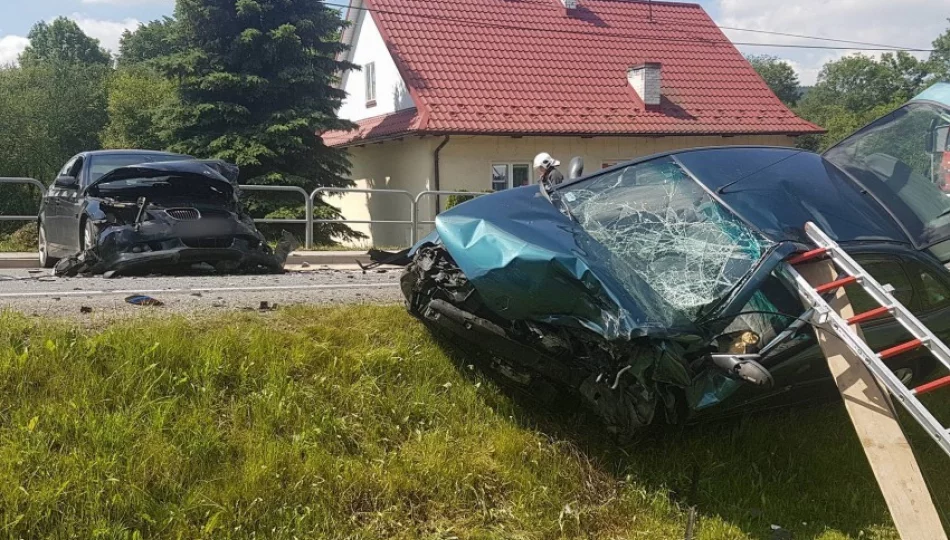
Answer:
(353, 423)
(23, 239)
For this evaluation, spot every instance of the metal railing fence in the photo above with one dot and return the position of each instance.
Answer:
(309, 220)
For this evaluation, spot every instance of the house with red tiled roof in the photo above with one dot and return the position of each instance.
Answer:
(462, 94)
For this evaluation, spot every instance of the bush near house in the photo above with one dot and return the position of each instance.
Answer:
(454, 200)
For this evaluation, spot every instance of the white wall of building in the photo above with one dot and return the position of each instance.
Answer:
(391, 92)
(400, 164)
(466, 164)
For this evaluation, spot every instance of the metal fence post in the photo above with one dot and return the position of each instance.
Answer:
(308, 209)
(408, 195)
(27, 181)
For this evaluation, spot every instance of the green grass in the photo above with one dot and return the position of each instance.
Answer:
(353, 423)
(20, 240)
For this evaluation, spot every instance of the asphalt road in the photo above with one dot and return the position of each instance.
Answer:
(37, 292)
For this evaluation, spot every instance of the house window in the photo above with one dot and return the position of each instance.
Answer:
(509, 175)
(369, 71)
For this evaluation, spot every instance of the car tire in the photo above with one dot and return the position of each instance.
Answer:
(43, 249)
(88, 237)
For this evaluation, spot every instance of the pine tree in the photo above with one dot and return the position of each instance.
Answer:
(256, 84)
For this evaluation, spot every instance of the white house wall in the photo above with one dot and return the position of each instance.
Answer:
(401, 164)
(391, 92)
(465, 164)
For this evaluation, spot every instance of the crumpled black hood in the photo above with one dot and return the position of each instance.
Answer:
(221, 175)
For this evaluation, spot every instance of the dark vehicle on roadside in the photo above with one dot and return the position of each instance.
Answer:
(135, 211)
(653, 288)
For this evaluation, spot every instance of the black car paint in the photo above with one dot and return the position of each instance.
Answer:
(135, 215)
(63, 209)
(802, 365)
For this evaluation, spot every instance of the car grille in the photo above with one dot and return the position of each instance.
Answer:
(183, 214)
(209, 242)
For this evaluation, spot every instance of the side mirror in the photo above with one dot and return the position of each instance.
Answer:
(69, 182)
(939, 139)
(576, 168)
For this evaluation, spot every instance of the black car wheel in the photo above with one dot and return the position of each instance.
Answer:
(43, 249)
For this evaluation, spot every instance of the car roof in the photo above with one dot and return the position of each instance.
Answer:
(776, 188)
(91, 153)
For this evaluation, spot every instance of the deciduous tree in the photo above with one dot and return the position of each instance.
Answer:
(62, 41)
(779, 75)
(940, 57)
(136, 95)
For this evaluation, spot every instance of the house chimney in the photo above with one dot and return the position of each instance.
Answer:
(645, 79)
(569, 4)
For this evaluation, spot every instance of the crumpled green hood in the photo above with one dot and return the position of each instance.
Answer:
(530, 262)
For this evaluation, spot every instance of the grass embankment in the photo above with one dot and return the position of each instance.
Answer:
(23, 239)
(353, 423)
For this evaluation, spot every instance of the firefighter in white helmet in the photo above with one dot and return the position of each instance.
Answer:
(546, 167)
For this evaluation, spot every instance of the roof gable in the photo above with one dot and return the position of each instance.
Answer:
(534, 67)
(366, 46)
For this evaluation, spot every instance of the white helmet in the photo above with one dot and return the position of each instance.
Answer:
(545, 161)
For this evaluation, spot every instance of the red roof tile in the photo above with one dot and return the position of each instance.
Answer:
(531, 67)
(376, 128)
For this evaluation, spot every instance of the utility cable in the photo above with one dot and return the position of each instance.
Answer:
(639, 37)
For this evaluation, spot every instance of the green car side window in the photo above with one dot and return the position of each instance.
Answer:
(887, 271)
(932, 290)
(934, 293)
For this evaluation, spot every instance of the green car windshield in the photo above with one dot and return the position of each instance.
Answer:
(662, 228)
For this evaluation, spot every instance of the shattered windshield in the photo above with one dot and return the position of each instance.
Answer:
(904, 158)
(664, 229)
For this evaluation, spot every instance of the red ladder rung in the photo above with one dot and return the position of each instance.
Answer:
(821, 289)
(932, 385)
(868, 315)
(807, 256)
(898, 349)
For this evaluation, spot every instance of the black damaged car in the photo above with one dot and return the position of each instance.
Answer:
(654, 289)
(145, 212)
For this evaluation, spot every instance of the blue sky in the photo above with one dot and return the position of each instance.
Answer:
(17, 19)
(906, 23)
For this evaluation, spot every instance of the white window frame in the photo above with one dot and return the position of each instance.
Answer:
(369, 77)
(511, 169)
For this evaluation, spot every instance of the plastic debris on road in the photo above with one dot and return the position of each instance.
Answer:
(142, 300)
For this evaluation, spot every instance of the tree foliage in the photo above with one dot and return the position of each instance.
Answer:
(148, 42)
(255, 79)
(940, 57)
(779, 75)
(136, 96)
(50, 111)
(854, 90)
(62, 41)
(256, 84)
